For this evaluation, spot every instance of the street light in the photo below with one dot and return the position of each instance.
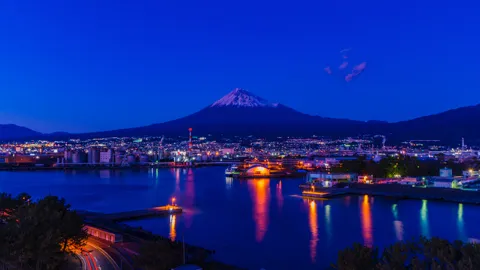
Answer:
(173, 201)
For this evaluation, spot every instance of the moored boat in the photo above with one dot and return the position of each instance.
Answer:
(232, 171)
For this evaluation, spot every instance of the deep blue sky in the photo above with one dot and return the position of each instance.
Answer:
(96, 65)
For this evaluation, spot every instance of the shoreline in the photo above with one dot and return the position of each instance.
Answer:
(102, 167)
(404, 193)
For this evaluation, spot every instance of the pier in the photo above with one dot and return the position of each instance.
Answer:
(394, 191)
(324, 194)
(144, 213)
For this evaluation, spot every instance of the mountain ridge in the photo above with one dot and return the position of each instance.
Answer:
(12, 131)
(241, 113)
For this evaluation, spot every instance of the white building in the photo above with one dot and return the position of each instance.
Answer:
(471, 173)
(446, 172)
(106, 156)
(444, 182)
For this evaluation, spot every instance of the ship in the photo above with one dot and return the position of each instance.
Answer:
(232, 170)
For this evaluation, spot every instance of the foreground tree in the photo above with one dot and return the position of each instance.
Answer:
(158, 255)
(38, 235)
(434, 253)
(163, 254)
(357, 257)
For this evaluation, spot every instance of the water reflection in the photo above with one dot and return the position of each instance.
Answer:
(173, 231)
(395, 211)
(346, 200)
(228, 182)
(397, 224)
(260, 192)
(279, 196)
(366, 219)
(176, 174)
(313, 222)
(424, 219)
(460, 223)
(104, 174)
(328, 222)
(190, 196)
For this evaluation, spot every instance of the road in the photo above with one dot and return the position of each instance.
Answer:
(96, 256)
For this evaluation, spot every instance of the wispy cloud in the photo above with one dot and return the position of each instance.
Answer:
(328, 70)
(343, 65)
(349, 77)
(356, 71)
(360, 67)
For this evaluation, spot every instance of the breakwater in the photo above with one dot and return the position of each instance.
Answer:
(405, 192)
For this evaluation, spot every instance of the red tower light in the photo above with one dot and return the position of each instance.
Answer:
(190, 140)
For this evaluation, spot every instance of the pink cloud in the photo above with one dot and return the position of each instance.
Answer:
(356, 71)
(360, 67)
(328, 70)
(343, 65)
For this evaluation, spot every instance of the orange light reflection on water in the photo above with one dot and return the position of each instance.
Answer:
(366, 218)
(313, 222)
(173, 231)
(260, 192)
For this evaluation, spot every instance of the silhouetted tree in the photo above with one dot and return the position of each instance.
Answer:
(434, 253)
(159, 255)
(38, 235)
(358, 257)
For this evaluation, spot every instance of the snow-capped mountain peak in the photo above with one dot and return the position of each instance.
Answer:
(242, 98)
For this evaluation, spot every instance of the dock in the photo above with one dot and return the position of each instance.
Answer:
(324, 194)
(144, 213)
(396, 191)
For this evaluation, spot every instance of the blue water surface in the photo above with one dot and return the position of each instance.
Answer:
(260, 223)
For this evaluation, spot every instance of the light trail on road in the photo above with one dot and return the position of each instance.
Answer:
(107, 259)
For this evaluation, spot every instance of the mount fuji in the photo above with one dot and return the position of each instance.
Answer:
(242, 113)
(242, 98)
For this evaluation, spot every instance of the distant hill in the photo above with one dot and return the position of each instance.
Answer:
(449, 126)
(11, 131)
(241, 113)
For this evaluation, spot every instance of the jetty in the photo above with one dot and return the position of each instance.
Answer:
(325, 194)
(394, 191)
(143, 213)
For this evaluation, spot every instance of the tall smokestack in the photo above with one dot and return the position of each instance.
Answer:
(190, 140)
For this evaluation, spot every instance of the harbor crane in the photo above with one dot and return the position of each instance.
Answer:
(160, 147)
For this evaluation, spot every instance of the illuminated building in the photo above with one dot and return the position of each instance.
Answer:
(106, 156)
(103, 234)
(258, 171)
(329, 179)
